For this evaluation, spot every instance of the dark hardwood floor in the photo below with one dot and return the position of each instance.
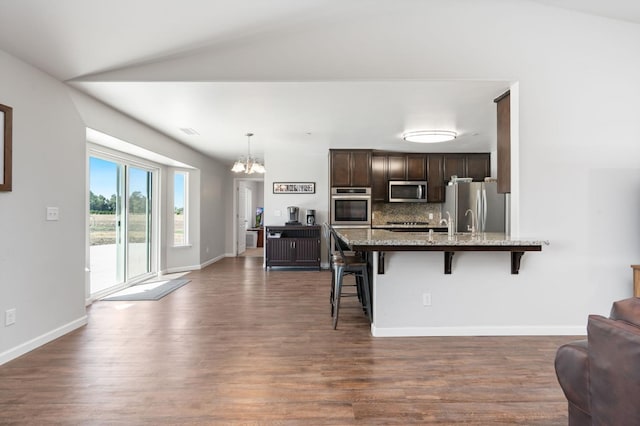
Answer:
(238, 345)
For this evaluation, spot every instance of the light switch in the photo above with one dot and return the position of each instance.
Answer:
(53, 213)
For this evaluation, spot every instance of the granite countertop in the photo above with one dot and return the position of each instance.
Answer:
(361, 237)
(408, 226)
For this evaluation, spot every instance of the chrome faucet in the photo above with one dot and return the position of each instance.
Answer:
(450, 225)
(474, 222)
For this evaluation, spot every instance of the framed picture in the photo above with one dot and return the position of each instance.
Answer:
(294, 187)
(6, 120)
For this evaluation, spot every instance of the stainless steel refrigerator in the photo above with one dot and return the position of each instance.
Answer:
(483, 199)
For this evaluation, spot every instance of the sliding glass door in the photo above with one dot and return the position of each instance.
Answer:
(106, 235)
(139, 222)
(120, 226)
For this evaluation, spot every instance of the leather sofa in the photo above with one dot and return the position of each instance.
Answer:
(600, 376)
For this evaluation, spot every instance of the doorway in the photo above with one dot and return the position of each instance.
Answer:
(248, 231)
(121, 220)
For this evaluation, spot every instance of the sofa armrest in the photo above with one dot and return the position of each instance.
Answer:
(627, 310)
(614, 371)
(572, 370)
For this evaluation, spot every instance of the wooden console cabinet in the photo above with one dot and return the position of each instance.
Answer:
(292, 246)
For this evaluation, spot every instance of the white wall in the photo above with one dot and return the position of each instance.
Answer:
(41, 263)
(308, 165)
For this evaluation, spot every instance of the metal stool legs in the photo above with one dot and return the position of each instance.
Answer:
(362, 284)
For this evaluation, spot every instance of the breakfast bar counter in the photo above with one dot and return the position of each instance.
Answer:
(381, 241)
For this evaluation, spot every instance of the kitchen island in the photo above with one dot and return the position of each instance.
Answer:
(412, 297)
(381, 241)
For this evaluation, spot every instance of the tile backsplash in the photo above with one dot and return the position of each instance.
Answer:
(405, 212)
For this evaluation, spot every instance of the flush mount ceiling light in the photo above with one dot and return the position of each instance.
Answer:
(248, 164)
(429, 136)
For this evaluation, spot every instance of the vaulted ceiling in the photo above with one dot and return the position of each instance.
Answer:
(208, 65)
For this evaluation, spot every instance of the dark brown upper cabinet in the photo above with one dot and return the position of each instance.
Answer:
(435, 178)
(397, 167)
(379, 180)
(503, 103)
(350, 168)
(478, 166)
(454, 165)
(407, 167)
(416, 167)
(377, 168)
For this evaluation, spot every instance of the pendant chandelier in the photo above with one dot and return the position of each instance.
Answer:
(248, 164)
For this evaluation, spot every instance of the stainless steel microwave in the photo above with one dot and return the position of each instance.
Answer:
(351, 207)
(404, 191)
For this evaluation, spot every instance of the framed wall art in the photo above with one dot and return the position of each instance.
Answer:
(6, 121)
(294, 187)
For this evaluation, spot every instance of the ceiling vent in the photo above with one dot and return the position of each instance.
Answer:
(189, 131)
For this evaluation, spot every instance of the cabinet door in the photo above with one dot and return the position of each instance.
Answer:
(478, 166)
(379, 178)
(397, 167)
(454, 164)
(361, 168)
(279, 251)
(307, 251)
(504, 143)
(416, 167)
(340, 168)
(435, 178)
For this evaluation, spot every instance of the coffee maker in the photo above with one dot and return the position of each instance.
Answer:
(311, 217)
(293, 215)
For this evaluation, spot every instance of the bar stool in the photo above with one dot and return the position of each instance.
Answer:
(331, 256)
(345, 264)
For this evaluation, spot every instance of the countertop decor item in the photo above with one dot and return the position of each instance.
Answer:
(248, 164)
(6, 121)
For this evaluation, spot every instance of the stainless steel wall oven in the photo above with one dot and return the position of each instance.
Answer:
(351, 207)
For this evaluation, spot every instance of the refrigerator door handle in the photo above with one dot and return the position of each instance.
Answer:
(484, 209)
(478, 212)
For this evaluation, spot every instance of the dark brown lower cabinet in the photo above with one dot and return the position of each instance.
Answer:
(292, 246)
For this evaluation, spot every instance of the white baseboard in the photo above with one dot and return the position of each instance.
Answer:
(578, 330)
(212, 261)
(35, 343)
(189, 268)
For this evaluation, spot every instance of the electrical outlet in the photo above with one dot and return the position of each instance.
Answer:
(277, 213)
(53, 213)
(426, 299)
(9, 317)
(430, 216)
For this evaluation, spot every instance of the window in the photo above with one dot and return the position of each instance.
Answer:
(180, 209)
